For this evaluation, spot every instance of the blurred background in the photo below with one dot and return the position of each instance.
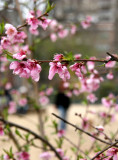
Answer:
(99, 38)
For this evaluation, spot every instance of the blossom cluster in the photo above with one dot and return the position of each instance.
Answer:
(35, 20)
(59, 31)
(48, 155)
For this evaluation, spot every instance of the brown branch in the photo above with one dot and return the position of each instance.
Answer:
(104, 150)
(113, 57)
(75, 60)
(87, 133)
(33, 133)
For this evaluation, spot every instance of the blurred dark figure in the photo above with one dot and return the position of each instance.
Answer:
(5, 98)
(62, 102)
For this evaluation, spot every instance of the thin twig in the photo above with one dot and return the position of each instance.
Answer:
(33, 133)
(104, 150)
(68, 140)
(87, 133)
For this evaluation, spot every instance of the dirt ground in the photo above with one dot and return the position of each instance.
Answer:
(30, 121)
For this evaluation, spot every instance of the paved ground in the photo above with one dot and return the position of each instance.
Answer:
(31, 121)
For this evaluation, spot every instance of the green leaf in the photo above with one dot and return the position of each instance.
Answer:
(2, 157)
(8, 127)
(59, 142)
(69, 56)
(79, 156)
(27, 136)
(98, 148)
(49, 7)
(74, 149)
(86, 152)
(26, 147)
(9, 153)
(5, 113)
(1, 27)
(18, 133)
(10, 58)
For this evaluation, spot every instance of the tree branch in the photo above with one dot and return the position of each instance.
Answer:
(33, 133)
(87, 133)
(104, 150)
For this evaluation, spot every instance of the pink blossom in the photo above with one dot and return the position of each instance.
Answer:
(65, 73)
(53, 24)
(66, 84)
(42, 93)
(116, 107)
(49, 91)
(100, 128)
(110, 64)
(6, 157)
(92, 83)
(3, 68)
(63, 33)
(85, 123)
(20, 68)
(69, 94)
(8, 86)
(1, 49)
(26, 49)
(34, 31)
(103, 114)
(1, 131)
(55, 67)
(79, 73)
(90, 65)
(14, 92)
(107, 102)
(92, 98)
(75, 66)
(58, 57)
(112, 152)
(10, 30)
(61, 133)
(3, 59)
(60, 151)
(73, 29)
(87, 22)
(44, 100)
(35, 70)
(12, 107)
(60, 27)
(22, 102)
(44, 23)
(76, 92)
(77, 56)
(20, 55)
(53, 37)
(19, 37)
(32, 21)
(101, 156)
(5, 43)
(110, 76)
(45, 155)
(39, 13)
(23, 156)
(66, 158)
